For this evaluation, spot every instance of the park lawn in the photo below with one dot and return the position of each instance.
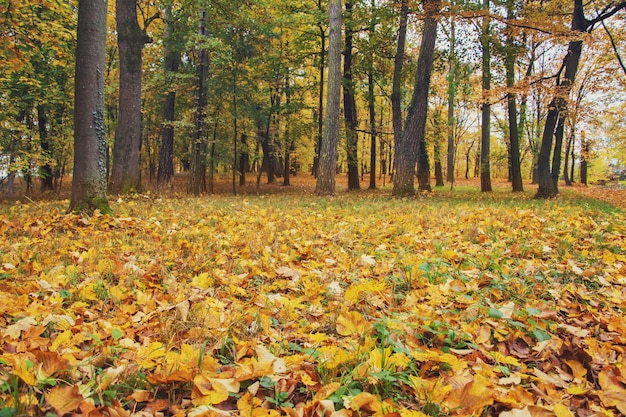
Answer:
(450, 303)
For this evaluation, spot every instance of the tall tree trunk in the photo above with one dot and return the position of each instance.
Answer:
(165, 172)
(320, 104)
(516, 171)
(244, 159)
(89, 178)
(584, 153)
(197, 169)
(412, 147)
(125, 175)
(485, 148)
(349, 104)
(569, 154)
(328, 154)
(45, 173)
(452, 87)
(398, 62)
(371, 100)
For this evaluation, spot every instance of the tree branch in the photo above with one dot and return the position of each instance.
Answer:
(619, 58)
(606, 13)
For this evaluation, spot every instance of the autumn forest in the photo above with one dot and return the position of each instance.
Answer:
(312, 208)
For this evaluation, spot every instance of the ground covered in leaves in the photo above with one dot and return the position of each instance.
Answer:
(454, 303)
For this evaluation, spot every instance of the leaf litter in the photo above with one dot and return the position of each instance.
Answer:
(350, 306)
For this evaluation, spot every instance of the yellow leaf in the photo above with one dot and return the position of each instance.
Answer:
(351, 323)
(62, 340)
(146, 355)
(203, 281)
(207, 391)
(561, 410)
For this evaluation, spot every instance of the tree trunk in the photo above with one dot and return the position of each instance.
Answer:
(328, 154)
(398, 62)
(485, 144)
(197, 169)
(371, 102)
(412, 146)
(349, 104)
(569, 154)
(516, 171)
(165, 172)
(452, 87)
(45, 173)
(320, 104)
(125, 175)
(244, 159)
(89, 178)
(584, 153)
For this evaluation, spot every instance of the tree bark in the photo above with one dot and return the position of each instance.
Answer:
(485, 144)
(89, 178)
(398, 62)
(125, 175)
(412, 146)
(165, 172)
(452, 87)
(349, 104)
(197, 171)
(45, 174)
(320, 104)
(516, 171)
(328, 153)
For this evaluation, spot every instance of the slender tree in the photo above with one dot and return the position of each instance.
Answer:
(320, 104)
(171, 62)
(485, 144)
(197, 174)
(371, 99)
(328, 154)
(349, 103)
(412, 146)
(89, 178)
(510, 57)
(452, 87)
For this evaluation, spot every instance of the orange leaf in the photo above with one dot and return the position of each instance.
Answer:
(64, 399)
(473, 397)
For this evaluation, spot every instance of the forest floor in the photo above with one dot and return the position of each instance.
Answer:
(278, 302)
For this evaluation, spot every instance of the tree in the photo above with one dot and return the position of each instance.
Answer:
(125, 173)
(547, 175)
(349, 103)
(89, 180)
(485, 143)
(171, 62)
(328, 153)
(412, 146)
(398, 62)
(197, 172)
(516, 171)
(452, 87)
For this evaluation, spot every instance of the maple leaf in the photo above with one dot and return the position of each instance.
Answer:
(64, 399)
